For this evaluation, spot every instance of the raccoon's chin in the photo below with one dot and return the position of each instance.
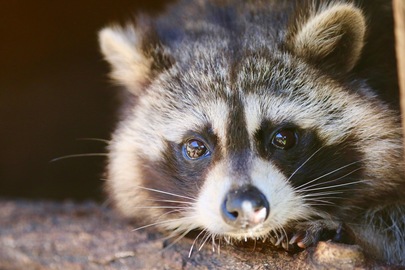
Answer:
(247, 234)
(259, 231)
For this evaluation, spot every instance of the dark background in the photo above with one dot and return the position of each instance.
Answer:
(54, 91)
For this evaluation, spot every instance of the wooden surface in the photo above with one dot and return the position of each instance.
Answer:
(399, 15)
(49, 235)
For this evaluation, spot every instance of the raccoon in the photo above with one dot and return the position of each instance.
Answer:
(258, 119)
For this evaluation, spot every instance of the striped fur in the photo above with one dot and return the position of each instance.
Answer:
(231, 74)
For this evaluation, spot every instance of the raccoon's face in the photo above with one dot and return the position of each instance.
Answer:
(244, 144)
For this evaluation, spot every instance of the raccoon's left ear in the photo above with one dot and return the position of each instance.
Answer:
(331, 37)
(133, 65)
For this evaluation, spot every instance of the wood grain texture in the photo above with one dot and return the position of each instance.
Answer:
(50, 235)
(399, 16)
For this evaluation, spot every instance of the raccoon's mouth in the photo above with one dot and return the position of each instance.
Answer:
(256, 232)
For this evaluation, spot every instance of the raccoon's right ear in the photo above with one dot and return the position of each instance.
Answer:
(133, 65)
(330, 36)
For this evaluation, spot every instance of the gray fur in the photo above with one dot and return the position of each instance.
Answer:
(231, 66)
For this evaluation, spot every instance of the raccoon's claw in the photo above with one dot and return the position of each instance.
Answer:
(310, 233)
(298, 240)
(290, 241)
(307, 238)
(315, 232)
(283, 242)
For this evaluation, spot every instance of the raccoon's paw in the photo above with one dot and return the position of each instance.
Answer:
(293, 240)
(306, 234)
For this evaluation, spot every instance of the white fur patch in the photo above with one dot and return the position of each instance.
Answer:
(213, 112)
(122, 49)
(253, 114)
(285, 204)
(209, 201)
(123, 170)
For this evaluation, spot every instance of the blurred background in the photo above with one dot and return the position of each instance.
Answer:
(54, 92)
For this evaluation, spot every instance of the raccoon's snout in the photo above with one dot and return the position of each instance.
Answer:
(245, 207)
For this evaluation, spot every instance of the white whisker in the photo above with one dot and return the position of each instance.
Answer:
(330, 187)
(178, 239)
(170, 201)
(286, 236)
(329, 173)
(195, 240)
(319, 194)
(219, 246)
(167, 193)
(170, 212)
(205, 239)
(80, 155)
(213, 242)
(321, 200)
(161, 207)
(320, 204)
(308, 159)
(161, 223)
(94, 139)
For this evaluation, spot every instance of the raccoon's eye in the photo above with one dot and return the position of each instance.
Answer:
(284, 139)
(195, 149)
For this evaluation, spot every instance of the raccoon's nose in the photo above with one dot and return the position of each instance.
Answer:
(245, 207)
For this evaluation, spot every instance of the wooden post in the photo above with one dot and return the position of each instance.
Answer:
(399, 16)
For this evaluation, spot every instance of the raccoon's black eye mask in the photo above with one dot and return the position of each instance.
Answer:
(283, 138)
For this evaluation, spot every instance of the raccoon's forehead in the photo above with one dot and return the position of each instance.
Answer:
(255, 89)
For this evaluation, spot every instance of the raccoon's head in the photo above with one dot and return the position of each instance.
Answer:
(240, 133)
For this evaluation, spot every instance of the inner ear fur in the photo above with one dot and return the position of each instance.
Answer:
(122, 48)
(331, 37)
